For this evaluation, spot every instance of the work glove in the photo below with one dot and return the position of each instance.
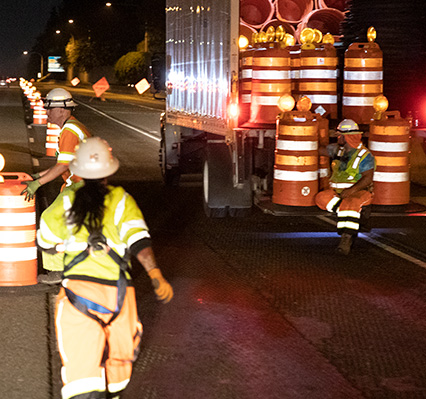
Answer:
(35, 176)
(32, 187)
(162, 288)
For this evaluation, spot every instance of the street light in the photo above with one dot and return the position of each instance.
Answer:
(41, 60)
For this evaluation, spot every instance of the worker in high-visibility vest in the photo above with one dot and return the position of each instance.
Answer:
(351, 182)
(59, 106)
(98, 227)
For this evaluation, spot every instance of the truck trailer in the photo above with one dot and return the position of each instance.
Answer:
(202, 129)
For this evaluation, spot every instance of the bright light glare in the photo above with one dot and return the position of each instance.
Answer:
(233, 110)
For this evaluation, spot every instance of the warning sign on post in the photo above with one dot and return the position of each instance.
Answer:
(142, 86)
(100, 87)
(75, 81)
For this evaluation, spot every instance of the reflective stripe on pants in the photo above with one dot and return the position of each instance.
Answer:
(348, 210)
(92, 355)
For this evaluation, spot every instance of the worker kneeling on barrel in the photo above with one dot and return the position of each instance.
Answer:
(97, 324)
(351, 182)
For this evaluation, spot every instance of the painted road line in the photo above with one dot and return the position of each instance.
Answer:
(141, 131)
(374, 239)
(371, 238)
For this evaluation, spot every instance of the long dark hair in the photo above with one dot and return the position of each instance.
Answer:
(88, 207)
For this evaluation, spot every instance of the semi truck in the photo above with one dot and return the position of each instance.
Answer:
(201, 129)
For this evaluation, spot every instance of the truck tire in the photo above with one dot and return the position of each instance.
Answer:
(171, 176)
(220, 197)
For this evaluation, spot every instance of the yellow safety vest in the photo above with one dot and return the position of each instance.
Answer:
(345, 178)
(123, 225)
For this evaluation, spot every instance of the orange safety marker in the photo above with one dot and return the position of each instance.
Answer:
(18, 252)
(39, 114)
(52, 139)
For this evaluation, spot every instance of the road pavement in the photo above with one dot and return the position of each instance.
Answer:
(262, 306)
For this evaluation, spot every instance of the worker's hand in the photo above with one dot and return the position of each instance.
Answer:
(35, 176)
(32, 187)
(162, 288)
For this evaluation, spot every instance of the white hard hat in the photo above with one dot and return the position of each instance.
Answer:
(348, 126)
(94, 159)
(59, 98)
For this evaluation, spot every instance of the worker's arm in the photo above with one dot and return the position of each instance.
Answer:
(361, 184)
(323, 152)
(162, 288)
(51, 174)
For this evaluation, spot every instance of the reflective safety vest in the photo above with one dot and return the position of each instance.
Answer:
(72, 133)
(345, 178)
(123, 225)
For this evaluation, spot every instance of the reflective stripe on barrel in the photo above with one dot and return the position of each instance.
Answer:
(296, 160)
(389, 143)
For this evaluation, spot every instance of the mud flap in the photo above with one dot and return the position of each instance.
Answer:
(220, 197)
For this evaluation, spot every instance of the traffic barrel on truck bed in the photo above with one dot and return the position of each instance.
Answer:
(362, 81)
(318, 77)
(296, 159)
(293, 11)
(256, 12)
(271, 79)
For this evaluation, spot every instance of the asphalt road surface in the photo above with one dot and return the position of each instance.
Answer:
(263, 306)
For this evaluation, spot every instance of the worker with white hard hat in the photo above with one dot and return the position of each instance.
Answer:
(98, 227)
(351, 182)
(59, 106)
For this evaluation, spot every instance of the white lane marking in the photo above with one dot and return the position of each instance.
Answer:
(144, 132)
(371, 238)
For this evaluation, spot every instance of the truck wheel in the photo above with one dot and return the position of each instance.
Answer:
(171, 176)
(220, 197)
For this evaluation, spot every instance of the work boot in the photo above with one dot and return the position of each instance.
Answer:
(51, 278)
(345, 244)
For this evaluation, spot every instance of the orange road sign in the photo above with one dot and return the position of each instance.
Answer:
(100, 86)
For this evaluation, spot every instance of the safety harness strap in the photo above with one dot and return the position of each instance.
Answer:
(98, 241)
(82, 307)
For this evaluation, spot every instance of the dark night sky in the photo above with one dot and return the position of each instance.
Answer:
(21, 21)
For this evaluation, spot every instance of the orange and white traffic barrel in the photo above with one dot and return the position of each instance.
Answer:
(270, 80)
(318, 77)
(52, 139)
(362, 81)
(296, 159)
(18, 252)
(389, 142)
(39, 114)
(245, 81)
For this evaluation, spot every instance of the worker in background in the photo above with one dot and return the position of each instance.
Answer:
(350, 184)
(59, 106)
(98, 226)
